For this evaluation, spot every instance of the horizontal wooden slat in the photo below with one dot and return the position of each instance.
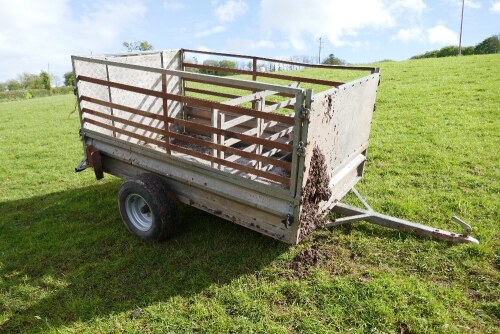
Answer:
(231, 150)
(147, 114)
(173, 147)
(255, 96)
(124, 121)
(232, 85)
(299, 79)
(236, 121)
(270, 103)
(191, 100)
(231, 134)
(229, 96)
(280, 105)
(250, 170)
(238, 110)
(266, 75)
(205, 115)
(121, 107)
(124, 132)
(210, 92)
(226, 149)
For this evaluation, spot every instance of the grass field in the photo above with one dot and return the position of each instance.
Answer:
(68, 265)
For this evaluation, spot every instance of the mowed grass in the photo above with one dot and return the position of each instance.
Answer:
(68, 265)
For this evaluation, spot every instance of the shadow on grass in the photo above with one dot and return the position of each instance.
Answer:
(67, 257)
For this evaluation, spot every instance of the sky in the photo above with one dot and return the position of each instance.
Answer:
(38, 35)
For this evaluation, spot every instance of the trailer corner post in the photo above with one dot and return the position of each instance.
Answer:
(303, 102)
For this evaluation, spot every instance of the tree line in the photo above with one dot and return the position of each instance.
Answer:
(30, 81)
(490, 45)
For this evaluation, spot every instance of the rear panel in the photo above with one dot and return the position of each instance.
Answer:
(336, 145)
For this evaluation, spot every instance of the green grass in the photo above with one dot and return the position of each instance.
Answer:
(68, 265)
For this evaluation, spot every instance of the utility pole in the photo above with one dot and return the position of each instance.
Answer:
(319, 53)
(461, 25)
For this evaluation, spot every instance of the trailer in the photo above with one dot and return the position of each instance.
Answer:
(274, 151)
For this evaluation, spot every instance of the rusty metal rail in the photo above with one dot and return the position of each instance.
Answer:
(255, 59)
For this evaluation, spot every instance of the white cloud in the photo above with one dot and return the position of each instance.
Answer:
(230, 10)
(265, 44)
(472, 4)
(442, 35)
(34, 33)
(435, 35)
(211, 31)
(173, 5)
(334, 19)
(248, 46)
(495, 7)
(416, 6)
(410, 34)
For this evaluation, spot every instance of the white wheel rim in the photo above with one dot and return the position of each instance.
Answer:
(138, 212)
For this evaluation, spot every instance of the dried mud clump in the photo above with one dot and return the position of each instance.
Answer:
(315, 191)
(306, 259)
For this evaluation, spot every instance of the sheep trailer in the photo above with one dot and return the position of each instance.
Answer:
(259, 148)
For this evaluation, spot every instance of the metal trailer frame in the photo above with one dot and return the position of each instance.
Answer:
(137, 108)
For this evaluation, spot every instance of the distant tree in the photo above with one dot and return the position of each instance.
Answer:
(138, 46)
(44, 80)
(222, 63)
(13, 85)
(209, 62)
(145, 46)
(30, 81)
(69, 79)
(227, 64)
(3, 86)
(332, 60)
(468, 50)
(488, 46)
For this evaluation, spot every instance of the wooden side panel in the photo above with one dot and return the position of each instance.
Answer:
(93, 91)
(138, 78)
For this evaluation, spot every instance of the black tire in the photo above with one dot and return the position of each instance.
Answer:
(148, 208)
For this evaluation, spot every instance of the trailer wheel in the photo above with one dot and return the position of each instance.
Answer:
(148, 208)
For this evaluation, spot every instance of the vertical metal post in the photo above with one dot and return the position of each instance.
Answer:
(215, 139)
(78, 102)
(319, 52)
(461, 26)
(260, 130)
(303, 100)
(297, 133)
(254, 78)
(222, 138)
(182, 58)
(110, 100)
(164, 85)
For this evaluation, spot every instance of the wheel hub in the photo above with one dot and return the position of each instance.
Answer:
(138, 212)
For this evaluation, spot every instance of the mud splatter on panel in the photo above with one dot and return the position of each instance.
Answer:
(315, 191)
